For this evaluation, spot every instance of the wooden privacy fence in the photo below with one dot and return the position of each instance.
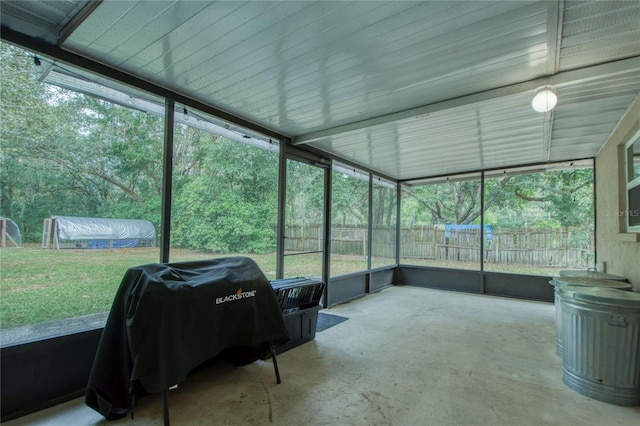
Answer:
(562, 247)
(345, 240)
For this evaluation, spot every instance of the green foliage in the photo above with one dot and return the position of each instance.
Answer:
(230, 224)
(305, 194)
(69, 154)
(349, 200)
(27, 186)
(231, 206)
(384, 206)
(442, 203)
(551, 199)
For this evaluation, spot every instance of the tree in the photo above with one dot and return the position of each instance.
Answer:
(305, 194)
(384, 206)
(561, 198)
(231, 204)
(449, 202)
(95, 155)
(30, 185)
(349, 199)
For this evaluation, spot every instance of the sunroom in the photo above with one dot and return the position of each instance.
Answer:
(369, 144)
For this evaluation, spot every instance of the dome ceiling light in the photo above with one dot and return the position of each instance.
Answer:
(544, 100)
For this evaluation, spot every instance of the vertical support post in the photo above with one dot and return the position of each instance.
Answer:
(398, 196)
(370, 228)
(595, 214)
(167, 176)
(482, 231)
(282, 203)
(328, 176)
(370, 232)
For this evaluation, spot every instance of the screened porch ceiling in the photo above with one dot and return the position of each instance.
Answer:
(409, 90)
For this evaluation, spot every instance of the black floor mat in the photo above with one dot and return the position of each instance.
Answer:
(328, 320)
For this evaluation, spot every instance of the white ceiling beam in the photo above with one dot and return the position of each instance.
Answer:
(555, 19)
(555, 12)
(561, 79)
(77, 19)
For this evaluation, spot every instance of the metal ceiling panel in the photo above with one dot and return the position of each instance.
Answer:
(303, 66)
(42, 19)
(598, 32)
(411, 69)
(471, 137)
(588, 112)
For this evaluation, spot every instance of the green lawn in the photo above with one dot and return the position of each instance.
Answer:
(488, 267)
(42, 285)
(39, 285)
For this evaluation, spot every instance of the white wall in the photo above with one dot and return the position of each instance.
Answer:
(620, 251)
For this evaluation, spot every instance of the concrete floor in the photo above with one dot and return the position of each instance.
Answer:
(406, 356)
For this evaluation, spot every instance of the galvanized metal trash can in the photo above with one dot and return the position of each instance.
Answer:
(585, 281)
(601, 353)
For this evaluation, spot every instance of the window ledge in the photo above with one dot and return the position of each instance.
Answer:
(51, 329)
(631, 237)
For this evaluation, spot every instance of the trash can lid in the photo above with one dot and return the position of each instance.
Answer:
(591, 274)
(590, 282)
(602, 296)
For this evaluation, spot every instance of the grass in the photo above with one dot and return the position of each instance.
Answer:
(488, 267)
(39, 285)
(42, 285)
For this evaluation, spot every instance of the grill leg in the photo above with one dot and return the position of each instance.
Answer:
(275, 364)
(165, 406)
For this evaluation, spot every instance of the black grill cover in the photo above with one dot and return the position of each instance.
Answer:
(167, 319)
